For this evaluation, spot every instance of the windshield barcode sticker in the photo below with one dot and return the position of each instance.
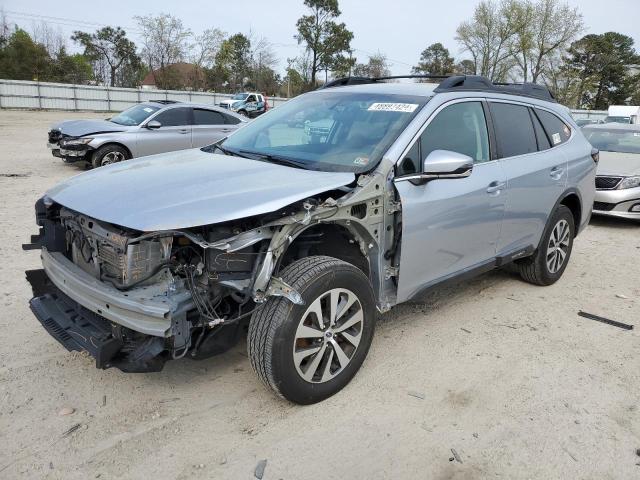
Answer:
(393, 107)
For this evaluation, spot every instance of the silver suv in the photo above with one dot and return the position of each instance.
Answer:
(302, 238)
(144, 129)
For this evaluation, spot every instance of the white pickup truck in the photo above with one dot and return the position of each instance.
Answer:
(623, 114)
(249, 104)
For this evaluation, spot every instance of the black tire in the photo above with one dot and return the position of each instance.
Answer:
(272, 331)
(243, 113)
(102, 155)
(535, 269)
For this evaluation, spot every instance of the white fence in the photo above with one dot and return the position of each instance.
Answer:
(64, 96)
(589, 114)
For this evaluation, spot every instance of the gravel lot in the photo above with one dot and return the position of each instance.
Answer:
(504, 373)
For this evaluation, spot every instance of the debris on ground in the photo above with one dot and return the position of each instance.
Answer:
(104, 400)
(475, 435)
(620, 295)
(66, 411)
(456, 456)
(14, 175)
(465, 330)
(608, 321)
(419, 395)
(71, 430)
(259, 471)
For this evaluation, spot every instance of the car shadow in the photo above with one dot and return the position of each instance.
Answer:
(613, 222)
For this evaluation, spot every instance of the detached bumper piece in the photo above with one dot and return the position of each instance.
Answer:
(79, 329)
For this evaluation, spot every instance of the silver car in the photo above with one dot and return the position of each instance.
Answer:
(144, 129)
(303, 238)
(618, 176)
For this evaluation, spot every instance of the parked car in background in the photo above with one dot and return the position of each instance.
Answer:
(618, 176)
(144, 129)
(583, 122)
(248, 104)
(623, 114)
(303, 238)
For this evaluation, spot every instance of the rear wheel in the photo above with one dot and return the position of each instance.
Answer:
(548, 263)
(306, 353)
(109, 154)
(243, 113)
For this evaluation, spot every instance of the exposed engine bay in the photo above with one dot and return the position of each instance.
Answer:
(210, 278)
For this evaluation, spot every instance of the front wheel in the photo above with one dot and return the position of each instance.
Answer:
(306, 353)
(549, 261)
(109, 154)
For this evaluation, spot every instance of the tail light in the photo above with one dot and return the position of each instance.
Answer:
(595, 154)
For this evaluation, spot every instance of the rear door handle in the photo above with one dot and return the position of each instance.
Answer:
(556, 173)
(184, 130)
(495, 187)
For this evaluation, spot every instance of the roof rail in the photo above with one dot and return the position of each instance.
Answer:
(456, 83)
(477, 83)
(341, 82)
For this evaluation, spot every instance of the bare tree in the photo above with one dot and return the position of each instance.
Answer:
(52, 39)
(206, 46)
(488, 37)
(165, 40)
(543, 28)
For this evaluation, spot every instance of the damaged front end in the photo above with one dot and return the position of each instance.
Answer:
(135, 299)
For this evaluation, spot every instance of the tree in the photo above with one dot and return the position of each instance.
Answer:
(206, 46)
(377, 66)
(23, 59)
(74, 68)
(327, 41)
(109, 46)
(543, 28)
(233, 61)
(488, 37)
(165, 41)
(465, 67)
(601, 63)
(435, 60)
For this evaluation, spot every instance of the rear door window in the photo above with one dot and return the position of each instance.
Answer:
(207, 117)
(174, 117)
(558, 131)
(514, 129)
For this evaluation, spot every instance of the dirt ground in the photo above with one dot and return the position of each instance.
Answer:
(501, 372)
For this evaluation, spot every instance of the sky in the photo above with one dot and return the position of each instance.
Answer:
(400, 29)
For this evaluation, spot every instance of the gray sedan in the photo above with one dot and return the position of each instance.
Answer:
(618, 175)
(144, 129)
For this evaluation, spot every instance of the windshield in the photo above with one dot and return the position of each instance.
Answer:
(623, 141)
(239, 96)
(331, 131)
(135, 115)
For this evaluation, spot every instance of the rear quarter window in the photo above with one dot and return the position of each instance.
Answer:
(557, 131)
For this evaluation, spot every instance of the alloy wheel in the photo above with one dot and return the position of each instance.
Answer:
(558, 246)
(328, 335)
(112, 157)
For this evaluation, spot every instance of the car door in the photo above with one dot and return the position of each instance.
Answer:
(251, 104)
(209, 126)
(536, 172)
(174, 132)
(449, 226)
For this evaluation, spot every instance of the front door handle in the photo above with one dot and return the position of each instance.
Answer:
(495, 187)
(183, 131)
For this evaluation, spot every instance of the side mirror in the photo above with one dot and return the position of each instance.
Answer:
(441, 164)
(446, 164)
(153, 125)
